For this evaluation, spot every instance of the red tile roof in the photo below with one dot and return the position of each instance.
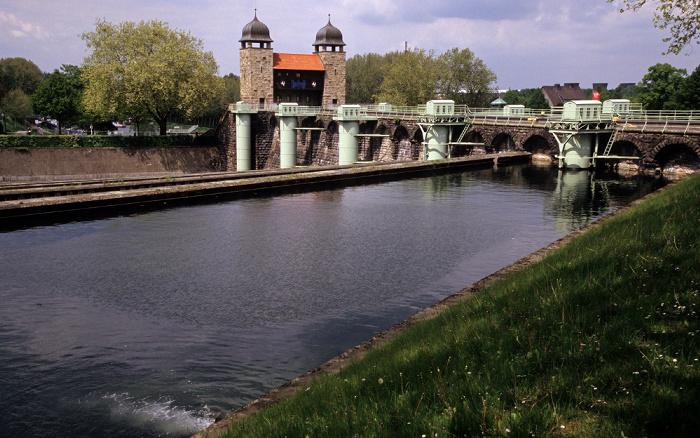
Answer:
(294, 61)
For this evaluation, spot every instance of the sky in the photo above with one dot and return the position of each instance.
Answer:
(526, 43)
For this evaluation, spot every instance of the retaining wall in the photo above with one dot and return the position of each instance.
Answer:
(54, 163)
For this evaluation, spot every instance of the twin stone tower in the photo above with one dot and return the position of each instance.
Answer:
(316, 79)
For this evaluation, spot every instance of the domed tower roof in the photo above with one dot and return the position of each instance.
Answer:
(255, 32)
(328, 35)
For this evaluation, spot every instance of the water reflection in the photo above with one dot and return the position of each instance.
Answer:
(148, 325)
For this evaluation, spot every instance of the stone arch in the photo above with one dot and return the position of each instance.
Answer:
(624, 148)
(473, 137)
(401, 143)
(463, 150)
(417, 144)
(537, 144)
(383, 148)
(365, 147)
(309, 140)
(676, 156)
(503, 142)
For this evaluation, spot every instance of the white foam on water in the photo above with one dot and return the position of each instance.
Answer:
(160, 414)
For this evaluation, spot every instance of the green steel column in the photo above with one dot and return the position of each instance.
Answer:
(436, 142)
(288, 135)
(348, 117)
(243, 136)
(348, 146)
(577, 152)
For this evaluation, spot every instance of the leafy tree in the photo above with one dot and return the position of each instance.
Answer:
(514, 98)
(411, 79)
(537, 100)
(658, 87)
(59, 96)
(687, 96)
(19, 73)
(680, 17)
(148, 68)
(232, 88)
(231, 94)
(16, 104)
(465, 78)
(364, 76)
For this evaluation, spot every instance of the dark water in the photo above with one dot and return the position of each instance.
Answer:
(151, 324)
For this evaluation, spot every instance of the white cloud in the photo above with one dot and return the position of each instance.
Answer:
(18, 28)
(527, 43)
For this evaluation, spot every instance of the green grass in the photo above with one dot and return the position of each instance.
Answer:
(600, 338)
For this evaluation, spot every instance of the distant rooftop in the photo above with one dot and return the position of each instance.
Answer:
(557, 94)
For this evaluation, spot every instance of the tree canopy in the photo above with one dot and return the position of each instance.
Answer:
(415, 76)
(146, 68)
(59, 96)
(411, 79)
(680, 17)
(688, 94)
(465, 78)
(16, 104)
(19, 73)
(658, 87)
(537, 100)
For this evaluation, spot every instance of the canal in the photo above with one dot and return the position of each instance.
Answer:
(149, 325)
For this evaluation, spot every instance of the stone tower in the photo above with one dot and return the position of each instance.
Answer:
(256, 63)
(329, 47)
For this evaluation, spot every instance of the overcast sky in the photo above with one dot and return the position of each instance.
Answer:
(527, 43)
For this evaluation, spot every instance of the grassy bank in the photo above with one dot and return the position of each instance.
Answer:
(600, 338)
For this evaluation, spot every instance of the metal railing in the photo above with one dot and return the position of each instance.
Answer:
(632, 118)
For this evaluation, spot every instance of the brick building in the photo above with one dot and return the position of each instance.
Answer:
(316, 79)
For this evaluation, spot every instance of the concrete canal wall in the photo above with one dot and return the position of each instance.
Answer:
(17, 164)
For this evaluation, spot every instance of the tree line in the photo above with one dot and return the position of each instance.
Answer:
(148, 72)
(413, 77)
(137, 71)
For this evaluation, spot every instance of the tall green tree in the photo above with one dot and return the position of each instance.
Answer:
(231, 94)
(464, 78)
(60, 96)
(16, 104)
(680, 17)
(147, 67)
(687, 96)
(658, 87)
(513, 97)
(364, 76)
(19, 73)
(410, 79)
(537, 100)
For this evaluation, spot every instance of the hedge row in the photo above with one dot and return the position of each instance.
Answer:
(101, 141)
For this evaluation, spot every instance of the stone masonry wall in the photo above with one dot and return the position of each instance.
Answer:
(402, 140)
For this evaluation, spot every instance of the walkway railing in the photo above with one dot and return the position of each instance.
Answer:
(632, 119)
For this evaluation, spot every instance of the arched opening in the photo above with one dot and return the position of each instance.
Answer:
(624, 148)
(381, 151)
(401, 144)
(463, 150)
(503, 142)
(417, 145)
(365, 146)
(541, 150)
(677, 158)
(308, 140)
